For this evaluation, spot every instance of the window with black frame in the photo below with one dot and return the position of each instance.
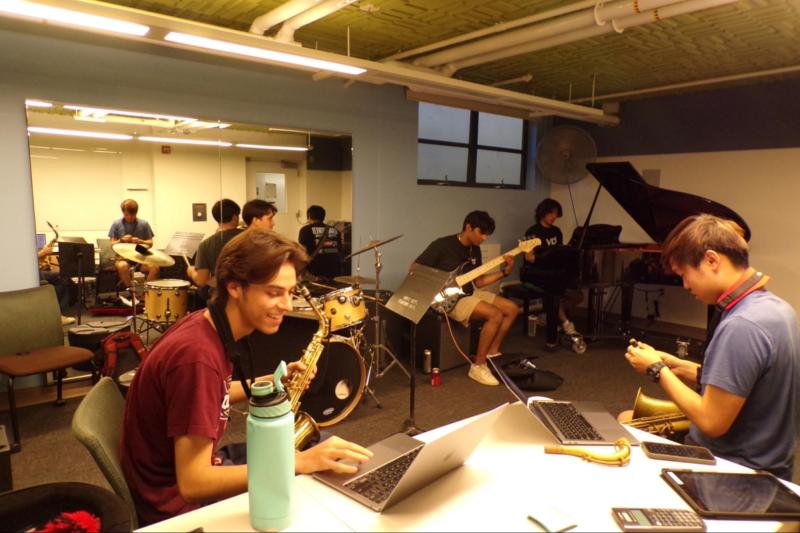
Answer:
(470, 148)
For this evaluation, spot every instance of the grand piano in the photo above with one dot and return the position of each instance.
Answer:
(656, 210)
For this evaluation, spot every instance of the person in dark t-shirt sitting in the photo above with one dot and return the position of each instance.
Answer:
(554, 282)
(179, 401)
(226, 213)
(497, 313)
(323, 244)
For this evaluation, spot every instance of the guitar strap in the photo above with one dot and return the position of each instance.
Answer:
(233, 350)
(743, 287)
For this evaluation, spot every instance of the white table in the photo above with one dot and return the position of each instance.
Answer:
(493, 491)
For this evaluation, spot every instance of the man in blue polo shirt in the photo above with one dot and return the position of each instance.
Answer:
(747, 406)
(131, 229)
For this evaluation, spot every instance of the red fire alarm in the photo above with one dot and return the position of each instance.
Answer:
(166, 149)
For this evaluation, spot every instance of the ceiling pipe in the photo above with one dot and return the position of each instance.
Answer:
(691, 84)
(497, 28)
(527, 78)
(618, 25)
(286, 33)
(558, 26)
(283, 12)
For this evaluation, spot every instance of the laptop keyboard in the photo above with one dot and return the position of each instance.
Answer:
(569, 421)
(378, 484)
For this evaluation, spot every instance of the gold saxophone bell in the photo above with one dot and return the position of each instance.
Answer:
(305, 430)
(659, 417)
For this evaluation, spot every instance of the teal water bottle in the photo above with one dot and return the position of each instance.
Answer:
(270, 454)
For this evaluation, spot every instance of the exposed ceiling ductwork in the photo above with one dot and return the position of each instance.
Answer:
(557, 30)
(295, 14)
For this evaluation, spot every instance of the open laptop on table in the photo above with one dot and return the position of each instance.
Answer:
(571, 423)
(402, 465)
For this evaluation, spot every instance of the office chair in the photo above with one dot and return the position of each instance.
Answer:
(97, 424)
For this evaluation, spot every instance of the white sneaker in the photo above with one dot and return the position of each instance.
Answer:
(569, 328)
(482, 375)
(67, 320)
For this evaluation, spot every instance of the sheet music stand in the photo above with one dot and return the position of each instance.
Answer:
(411, 300)
(76, 260)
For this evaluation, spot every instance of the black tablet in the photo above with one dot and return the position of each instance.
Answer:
(749, 496)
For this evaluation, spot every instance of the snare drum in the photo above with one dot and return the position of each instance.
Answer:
(344, 307)
(166, 299)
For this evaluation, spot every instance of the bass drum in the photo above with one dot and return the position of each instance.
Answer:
(339, 384)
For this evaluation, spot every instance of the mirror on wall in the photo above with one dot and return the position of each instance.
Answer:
(85, 160)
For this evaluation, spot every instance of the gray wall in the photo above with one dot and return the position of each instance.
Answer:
(386, 199)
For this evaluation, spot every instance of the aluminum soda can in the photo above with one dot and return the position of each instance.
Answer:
(436, 377)
(426, 361)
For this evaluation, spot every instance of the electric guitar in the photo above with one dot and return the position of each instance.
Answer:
(446, 300)
(48, 262)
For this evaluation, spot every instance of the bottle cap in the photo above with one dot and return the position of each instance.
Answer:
(266, 401)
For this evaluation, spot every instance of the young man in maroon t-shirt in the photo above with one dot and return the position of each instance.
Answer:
(179, 401)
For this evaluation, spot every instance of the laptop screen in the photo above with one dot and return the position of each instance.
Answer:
(41, 240)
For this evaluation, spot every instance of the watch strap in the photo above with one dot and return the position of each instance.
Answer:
(654, 370)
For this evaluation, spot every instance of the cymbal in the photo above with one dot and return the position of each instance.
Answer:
(354, 280)
(129, 251)
(372, 244)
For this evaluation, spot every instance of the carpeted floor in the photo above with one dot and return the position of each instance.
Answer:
(50, 453)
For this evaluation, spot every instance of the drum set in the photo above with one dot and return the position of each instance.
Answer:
(166, 300)
(343, 375)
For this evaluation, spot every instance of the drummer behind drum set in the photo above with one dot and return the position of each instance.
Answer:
(133, 230)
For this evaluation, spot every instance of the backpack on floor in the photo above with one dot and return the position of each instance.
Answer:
(119, 352)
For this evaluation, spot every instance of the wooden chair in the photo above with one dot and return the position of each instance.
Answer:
(32, 342)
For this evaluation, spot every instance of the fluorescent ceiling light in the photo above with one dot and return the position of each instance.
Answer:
(261, 53)
(37, 103)
(72, 18)
(100, 112)
(174, 140)
(79, 133)
(273, 147)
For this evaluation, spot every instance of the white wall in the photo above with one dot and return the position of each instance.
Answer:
(760, 185)
(386, 199)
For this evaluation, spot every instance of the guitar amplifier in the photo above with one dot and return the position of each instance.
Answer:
(434, 335)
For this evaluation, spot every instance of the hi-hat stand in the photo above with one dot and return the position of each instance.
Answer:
(378, 347)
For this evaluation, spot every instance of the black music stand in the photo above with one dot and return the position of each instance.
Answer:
(76, 260)
(411, 300)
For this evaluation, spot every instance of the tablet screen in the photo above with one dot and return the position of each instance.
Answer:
(733, 495)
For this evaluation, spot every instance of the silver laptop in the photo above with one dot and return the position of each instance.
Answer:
(402, 465)
(571, 423)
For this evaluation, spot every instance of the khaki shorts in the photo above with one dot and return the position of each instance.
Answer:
(466, 305)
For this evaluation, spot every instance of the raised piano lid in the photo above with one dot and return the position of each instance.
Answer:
(656, 210)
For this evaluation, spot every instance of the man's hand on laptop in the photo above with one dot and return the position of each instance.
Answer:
(327, 454)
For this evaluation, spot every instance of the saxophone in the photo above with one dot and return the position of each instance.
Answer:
(659, 417)
(305, 428)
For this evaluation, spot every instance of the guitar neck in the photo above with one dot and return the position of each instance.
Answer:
(467, 277)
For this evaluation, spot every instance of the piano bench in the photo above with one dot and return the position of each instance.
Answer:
(526, 293)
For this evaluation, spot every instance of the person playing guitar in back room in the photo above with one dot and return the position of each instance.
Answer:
(497, 313)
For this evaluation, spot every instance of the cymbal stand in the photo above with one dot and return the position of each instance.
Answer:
(378, 346)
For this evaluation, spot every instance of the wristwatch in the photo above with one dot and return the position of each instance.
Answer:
(654, 370)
